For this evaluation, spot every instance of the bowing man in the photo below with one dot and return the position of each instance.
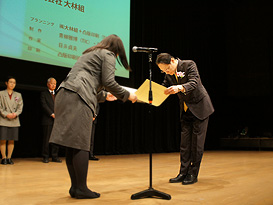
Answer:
(182, 78)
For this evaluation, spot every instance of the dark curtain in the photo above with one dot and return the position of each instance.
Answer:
(231, 43)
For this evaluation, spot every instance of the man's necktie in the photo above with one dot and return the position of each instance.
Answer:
(185, 106)
(52, 95)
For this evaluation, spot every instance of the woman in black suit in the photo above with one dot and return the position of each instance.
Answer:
(76, 102)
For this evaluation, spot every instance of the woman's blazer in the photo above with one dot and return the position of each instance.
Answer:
(13, 105)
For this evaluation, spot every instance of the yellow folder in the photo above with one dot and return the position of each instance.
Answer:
(158, 93)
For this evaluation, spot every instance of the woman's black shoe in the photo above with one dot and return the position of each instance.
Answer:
(4, 161)
(86, 195)
(9, 161)
(72, 192)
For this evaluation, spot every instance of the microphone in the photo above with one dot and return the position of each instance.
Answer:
(144, 49)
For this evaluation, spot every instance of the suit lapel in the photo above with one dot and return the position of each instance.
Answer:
(179, 80)
(174, 79)
(9, 101)
(180, 68)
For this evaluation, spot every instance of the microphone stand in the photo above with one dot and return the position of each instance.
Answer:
(150, 192)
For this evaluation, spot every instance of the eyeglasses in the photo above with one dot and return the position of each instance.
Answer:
(168, 68)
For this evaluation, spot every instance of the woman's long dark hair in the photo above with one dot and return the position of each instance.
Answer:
(112, 43)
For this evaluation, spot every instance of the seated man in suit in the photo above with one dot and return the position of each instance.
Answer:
(182, 78)
(47, 101)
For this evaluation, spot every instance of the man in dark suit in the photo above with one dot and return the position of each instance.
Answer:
(182, 78)
(47, 101)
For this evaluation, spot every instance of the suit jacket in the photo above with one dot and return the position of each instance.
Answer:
(93, 72)
(196, 96)
(13, 105)
(47, 103)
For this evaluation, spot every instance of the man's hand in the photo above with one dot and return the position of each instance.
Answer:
(174, 89)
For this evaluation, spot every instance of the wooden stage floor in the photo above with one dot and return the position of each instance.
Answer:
(226, 177)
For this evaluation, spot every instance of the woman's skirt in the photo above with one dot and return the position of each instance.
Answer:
(9, 133)
(73, 121)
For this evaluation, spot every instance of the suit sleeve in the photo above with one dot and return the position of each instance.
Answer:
(45, 106)
(101, 96)
(193, 76)
(108, 78)
(19, 105)
(3, 112)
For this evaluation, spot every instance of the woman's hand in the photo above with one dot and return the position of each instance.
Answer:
(110, 97)
(132, 97)
(11, 115)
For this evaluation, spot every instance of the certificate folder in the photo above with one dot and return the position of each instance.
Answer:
(158, 93)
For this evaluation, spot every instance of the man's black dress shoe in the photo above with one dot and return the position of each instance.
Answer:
(9, 161)
(45, 160)
(190, 179)
(179, 178)
(4, 161)
(56, 159)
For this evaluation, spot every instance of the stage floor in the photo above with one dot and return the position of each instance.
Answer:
(226, 177)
